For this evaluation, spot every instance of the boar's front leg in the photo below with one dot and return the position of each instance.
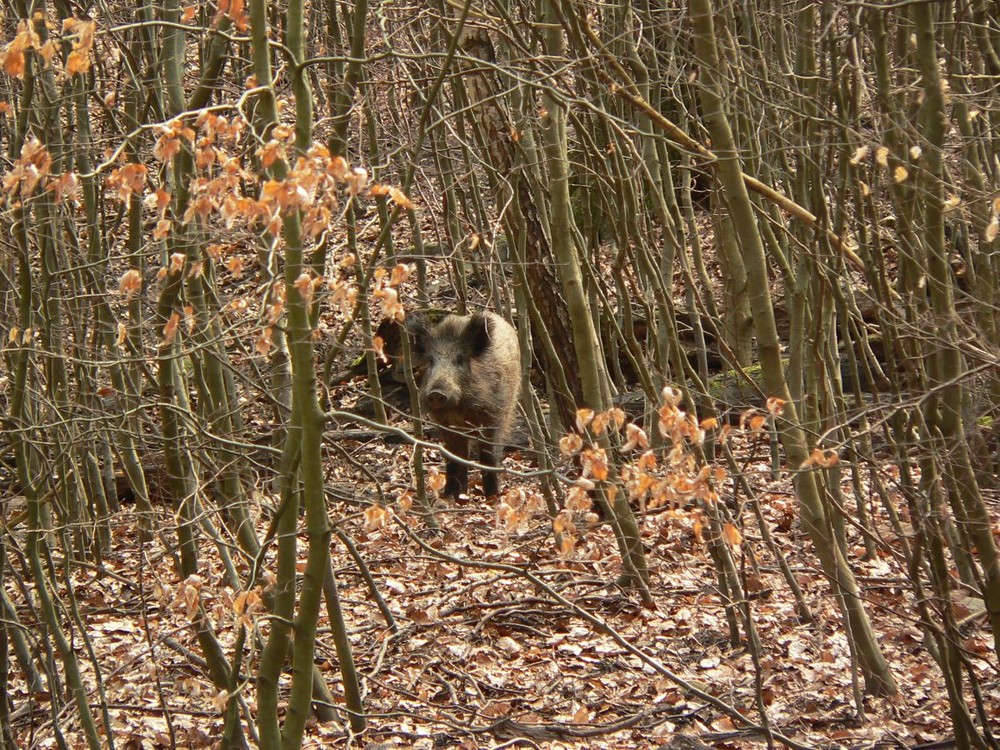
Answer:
(489, 455)
(456, 472)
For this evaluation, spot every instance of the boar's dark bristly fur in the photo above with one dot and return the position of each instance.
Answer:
(468, 370)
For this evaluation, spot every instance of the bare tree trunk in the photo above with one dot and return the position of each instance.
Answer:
(878, 679)
(943, 412)
(587, 346)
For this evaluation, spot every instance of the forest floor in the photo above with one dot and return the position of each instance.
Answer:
(489, 646)
(479, 656)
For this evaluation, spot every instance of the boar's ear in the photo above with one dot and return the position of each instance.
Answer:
(478, 333)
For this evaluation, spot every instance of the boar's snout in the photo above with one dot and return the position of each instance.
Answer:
(437, 399)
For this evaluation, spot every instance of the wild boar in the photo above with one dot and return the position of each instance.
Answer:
(468, 369)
